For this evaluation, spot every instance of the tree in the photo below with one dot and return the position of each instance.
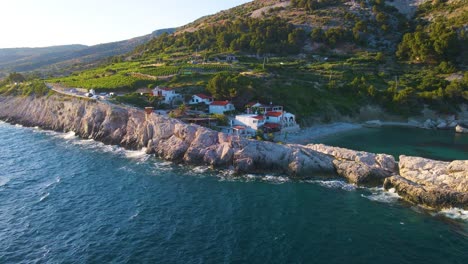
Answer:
(15, 77)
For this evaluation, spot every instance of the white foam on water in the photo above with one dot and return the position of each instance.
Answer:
(200, 169)
(379, 194)
(18, 125)
(163, 165)
(68, 135)
(135, 215)
(4, 181)
(334, 184)
(229, 175)
(137, 154)
(44, 197)
(275, 179)
(455, 213)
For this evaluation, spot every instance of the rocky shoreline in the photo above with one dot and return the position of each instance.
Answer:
(442, 184)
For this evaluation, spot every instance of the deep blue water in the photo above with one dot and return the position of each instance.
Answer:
(66, 200)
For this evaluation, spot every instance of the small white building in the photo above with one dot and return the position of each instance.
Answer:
(220, 107)
(283, 121)
(250, 121)
(274, 117)
(201, 98)
(168, 94)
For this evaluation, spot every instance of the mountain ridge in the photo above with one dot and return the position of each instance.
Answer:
(49, 59)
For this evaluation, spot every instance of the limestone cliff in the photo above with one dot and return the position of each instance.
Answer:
(422, 181)
(168, 138)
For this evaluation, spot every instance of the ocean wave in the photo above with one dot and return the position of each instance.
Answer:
(44, 197)
(134, 215)
(230, 175)
(4, 181)
(200, 169)
(139, 155)
(379, 194)
(455, 213)
(68, 135)
(334, 184)
(163, 165)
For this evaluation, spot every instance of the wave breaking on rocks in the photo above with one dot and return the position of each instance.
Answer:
(427, 182)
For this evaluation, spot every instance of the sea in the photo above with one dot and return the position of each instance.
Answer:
(69, 200)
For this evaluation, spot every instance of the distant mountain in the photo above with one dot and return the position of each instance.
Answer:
(51, 59)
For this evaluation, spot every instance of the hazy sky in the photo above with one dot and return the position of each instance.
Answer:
(39, 23)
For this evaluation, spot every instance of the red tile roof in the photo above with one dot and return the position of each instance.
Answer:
(252, 104)
(203, 96)
(221, 103)
(271, 125)
(259, 117)
(276, 114)
(164, 88)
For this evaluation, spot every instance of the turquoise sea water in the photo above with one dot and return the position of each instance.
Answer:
(67, 200)
(435, 144)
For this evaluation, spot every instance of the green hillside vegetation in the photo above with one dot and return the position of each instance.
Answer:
(16, 84)
(317, 58)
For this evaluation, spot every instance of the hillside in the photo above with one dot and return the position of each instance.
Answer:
(64, 59)
(323, 60)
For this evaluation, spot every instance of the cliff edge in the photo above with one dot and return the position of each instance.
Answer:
(427, 182)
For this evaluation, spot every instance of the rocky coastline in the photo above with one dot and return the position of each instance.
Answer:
(430, 183)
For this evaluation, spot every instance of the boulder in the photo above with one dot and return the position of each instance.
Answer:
(430, 182)
(460, 129)
(360, 173)
(429, 124)
(359, 167)
(426, 195)
(452, 124)
(442, 125)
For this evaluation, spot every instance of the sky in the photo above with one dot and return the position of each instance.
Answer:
(40, 23)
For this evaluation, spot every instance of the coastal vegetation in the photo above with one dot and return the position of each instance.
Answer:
(320, 59)
(17, 84)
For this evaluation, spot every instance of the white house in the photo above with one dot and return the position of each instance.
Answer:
(219, 107)
(168, 94)
(281, 121)
(250, 121)
(201, 98)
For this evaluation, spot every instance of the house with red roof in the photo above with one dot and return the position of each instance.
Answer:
(201, 98)
(251, 122)
(220, 107)
(275, 119)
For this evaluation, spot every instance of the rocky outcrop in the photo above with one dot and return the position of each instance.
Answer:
(358, 166)
(168, 138)
(431, 182)
(423, 181)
